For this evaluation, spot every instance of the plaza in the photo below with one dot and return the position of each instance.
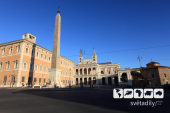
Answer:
(73, 101)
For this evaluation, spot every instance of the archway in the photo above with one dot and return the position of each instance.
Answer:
(89, 71)
(89, 80)
(76, 71)
(103, 81)
(80, 71)
(124, 76)
(85, 71)
(116, 80)
(81, 81)
(76, 81)
(85, 81)
(109, 80)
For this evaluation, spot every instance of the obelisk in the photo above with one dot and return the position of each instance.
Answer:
(54, 72)
(56, 43)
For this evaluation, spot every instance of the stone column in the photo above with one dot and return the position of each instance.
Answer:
(113, 81)
(83, 80)
(82, 71)
(78, 81)
(106, 79)
(91, 80)
(79, 71)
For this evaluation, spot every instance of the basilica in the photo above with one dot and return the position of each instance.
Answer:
(88, 71)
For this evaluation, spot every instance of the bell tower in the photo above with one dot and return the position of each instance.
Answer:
(80, 57)
(94, 56)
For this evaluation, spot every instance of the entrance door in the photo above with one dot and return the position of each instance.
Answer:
(110, 81)
(85, 81)
(116, 80)
(76, 81)
(103, 81)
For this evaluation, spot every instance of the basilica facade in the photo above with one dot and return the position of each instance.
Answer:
(88, 72)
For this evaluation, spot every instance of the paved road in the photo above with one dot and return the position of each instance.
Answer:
(71, 101)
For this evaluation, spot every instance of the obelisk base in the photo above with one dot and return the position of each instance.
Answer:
(54, 77)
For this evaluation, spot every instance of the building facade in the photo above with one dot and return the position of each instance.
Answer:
(88, 71)
(24, 62)
(154, 74)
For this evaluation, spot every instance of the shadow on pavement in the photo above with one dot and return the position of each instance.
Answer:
(99, 98)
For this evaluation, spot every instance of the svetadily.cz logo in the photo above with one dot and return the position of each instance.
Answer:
(138, 93)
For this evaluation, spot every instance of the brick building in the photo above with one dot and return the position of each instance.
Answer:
(154, 74)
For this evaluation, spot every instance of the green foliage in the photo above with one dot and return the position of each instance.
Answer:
(135, 73)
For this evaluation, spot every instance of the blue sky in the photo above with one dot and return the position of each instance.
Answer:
(107, 25)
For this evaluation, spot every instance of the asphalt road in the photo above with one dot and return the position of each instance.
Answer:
(73, 101)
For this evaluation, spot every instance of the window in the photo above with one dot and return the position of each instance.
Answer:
(66, 81)
(45, 57)
(36, 67)
(32, 52)
(10, 50)
(3, 51)
(44, 81)
(41, 55)
(152, 75)
(13, 78)
(61, 80)
(102, 72)
(49, 58)
(18, 48)
(40, 68)
(35, 80)
(165, 75)
(26, 50)
(61, 62)
(5, 79)
(1, 63)
(44, 69)
(37, 54)
(109, 71)
(25, 65)
(115, 71)
(31, 66)
(66, 73)
(8, 64)
(23, 79)
(16, 64)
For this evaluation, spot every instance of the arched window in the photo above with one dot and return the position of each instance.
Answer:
(26, 50)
